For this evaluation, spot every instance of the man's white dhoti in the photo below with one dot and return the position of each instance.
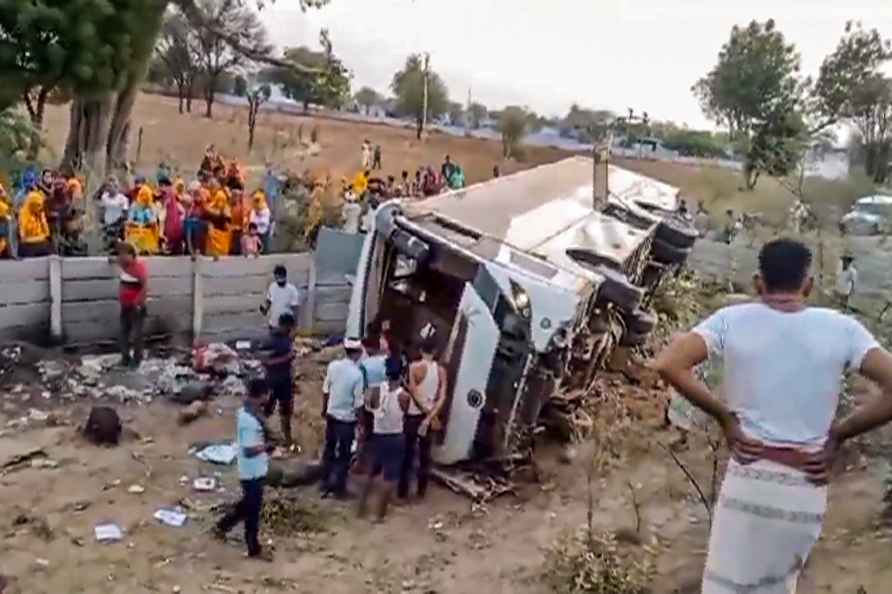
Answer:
(767, 519)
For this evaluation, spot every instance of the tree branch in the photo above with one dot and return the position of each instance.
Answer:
(198, 19)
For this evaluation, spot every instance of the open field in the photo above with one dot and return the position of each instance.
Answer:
(181, 140)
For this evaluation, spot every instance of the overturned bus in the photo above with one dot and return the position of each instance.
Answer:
(526, 286)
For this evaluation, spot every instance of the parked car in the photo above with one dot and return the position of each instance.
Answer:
(870, 215)
(528, 287)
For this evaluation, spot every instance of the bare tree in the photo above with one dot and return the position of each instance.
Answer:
(177, 49)
(225, 19)
(256, 97)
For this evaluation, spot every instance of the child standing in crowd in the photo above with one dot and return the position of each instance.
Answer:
(253, 464)
(193, 226)
(388, 403)
(427, 389)
(252, 244)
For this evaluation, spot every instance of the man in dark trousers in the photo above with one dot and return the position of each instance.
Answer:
(427, 391)
(342, 399)
(253, 464)
(278, 365)
(132, 297)
(376, 158)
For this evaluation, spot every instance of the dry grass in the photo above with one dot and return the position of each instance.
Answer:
(719, 189)
(181, 140)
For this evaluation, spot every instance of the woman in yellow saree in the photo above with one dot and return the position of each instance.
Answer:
(143, 231)
(34, 230)
(5, 216)
(219, 215)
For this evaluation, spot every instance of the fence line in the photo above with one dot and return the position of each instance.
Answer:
(74, 300)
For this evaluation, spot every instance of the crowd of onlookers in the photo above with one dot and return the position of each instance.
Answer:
(211, 215)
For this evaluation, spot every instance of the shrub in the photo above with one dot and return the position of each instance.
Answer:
(580, 563)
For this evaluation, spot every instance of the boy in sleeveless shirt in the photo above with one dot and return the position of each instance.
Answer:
(427, 389)
(387, 403)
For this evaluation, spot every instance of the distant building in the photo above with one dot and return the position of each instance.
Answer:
(828, 163)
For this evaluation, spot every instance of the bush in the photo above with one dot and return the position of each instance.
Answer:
(580, 563)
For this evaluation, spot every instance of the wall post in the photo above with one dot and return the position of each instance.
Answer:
(55, 276)
(309, 313)
(197, 297)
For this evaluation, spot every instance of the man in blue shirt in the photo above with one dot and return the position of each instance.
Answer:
(342, 398)
(373, 369)
(253, 463)
(280, 347)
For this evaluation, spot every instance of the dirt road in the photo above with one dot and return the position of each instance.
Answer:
(444, 545)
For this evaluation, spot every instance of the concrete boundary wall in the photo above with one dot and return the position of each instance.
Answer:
(74, 300)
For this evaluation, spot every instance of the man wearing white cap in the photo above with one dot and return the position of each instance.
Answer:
(342, 399)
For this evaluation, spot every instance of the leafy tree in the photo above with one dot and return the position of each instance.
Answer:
(56, 45)
(327, 82)
(408, 86)
(476, 114)
(98, 52)
(755, 90)
(856, 63)
(256, 96)
(871, 114)
(513, 124)
(587, 125)
(178, 53)
(368, 97)
(216, 56)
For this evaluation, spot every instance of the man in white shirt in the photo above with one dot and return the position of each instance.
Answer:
(281, 297)
(342, 399)
(846, 279)
(782, 368)
(114, 210)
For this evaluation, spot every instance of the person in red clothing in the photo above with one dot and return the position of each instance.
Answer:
(132, 296)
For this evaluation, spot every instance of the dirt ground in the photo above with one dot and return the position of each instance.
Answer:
(444, 545)
(181, 140)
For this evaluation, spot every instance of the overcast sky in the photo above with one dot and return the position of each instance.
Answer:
(547, 54)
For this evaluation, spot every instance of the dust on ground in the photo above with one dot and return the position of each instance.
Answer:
(446, 544)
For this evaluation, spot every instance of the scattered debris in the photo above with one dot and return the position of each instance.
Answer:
(289, 514)
(233, 386)
(192, 412)
(216, 357)
(22, 459)
(103, 426)
(171, 517)
(478, 487)
(218, 453)
(136, 489)
(108, 532)
(42, 563)
(204, 483)
(190, 392)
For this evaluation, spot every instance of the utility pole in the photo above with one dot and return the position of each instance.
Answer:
(601, 158)
(427, 65)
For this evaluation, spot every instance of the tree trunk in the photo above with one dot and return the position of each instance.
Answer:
(306, 105)
(419, 128)
(252, 122)
(36, 112)
(119, 133)
(209, 103)
(87, 145)
(181, 96)
(99, 129)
